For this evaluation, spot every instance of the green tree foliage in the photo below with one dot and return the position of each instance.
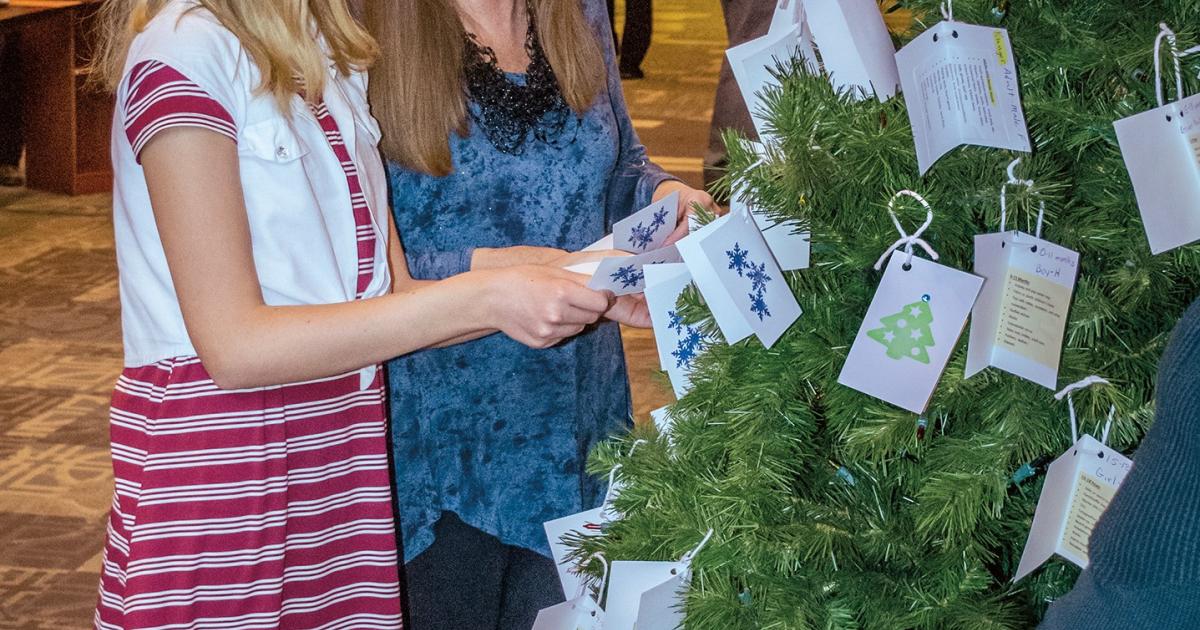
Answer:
(929, 533)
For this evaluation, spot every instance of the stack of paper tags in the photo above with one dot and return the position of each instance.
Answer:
(643, 235)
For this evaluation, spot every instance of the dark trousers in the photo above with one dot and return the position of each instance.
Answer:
(612, 23)
(469, 580)
(635, 40)
(11, 124)
(744, 20)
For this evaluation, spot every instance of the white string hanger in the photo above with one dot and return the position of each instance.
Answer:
(689, 556)
(1084, 384)
(1013, 180)
(907, 240)
(603, 577)
(1164, 32)
(948, 10)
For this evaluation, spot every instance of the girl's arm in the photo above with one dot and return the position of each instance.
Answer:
(195, 190)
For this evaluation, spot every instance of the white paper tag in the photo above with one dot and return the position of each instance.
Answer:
(909, 331)
(604, 243)
(647, 229)
(960, 84)
(661, 608)
(788, 13)
(856, 50)
(1079, 486)
(754, 62)
(625, 274)
(589, 523)
(740, 280)
(630, 580)
(663, 422)
(678, 343)
(791, 247)
(1018, 322)
(581, 613)
(1161, 148)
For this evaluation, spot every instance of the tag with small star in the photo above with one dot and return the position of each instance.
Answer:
(910, 329)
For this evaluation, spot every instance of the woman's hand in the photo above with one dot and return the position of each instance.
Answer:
(540, 306)
(630, 310)
(687, 197)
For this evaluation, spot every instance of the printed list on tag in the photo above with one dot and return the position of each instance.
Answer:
(1160, 149)
(960, 84)
(1020, 319)
(1079, 486)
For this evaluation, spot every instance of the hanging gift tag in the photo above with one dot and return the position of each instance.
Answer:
(754, 63)
(740, 280)
(1019, 320)
(659, 587)
(960, 84)
(625, 274)
(855, 48)
(581, 613)
(912, 324)
(587, 523)
(647, 229)
(790, 246)
(1161, 148)
(1079, 486)
(788, 13)
(678, 343)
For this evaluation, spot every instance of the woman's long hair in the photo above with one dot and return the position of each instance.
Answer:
(277, 34)
(418, 90)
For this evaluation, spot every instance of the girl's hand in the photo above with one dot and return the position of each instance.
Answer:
(540, 306)
(630, 310)
(687, 197)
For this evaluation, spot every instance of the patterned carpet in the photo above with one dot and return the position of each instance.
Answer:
(60, 344)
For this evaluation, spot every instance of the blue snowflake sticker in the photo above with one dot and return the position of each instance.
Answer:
(642, 235)
(739, 261)
(628, 276)
(689, 345)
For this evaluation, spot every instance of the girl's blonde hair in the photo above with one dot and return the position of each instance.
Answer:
(277, 34)
(418, 91)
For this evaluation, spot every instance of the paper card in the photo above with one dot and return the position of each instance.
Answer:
(1078, 488)
(791, 247)
(589, 523)
(678, 343)
(603, 244)
(909, 331)
(856, 50)
(1020, 317)
(754, 62)
(581, 613)
(630, 579)
(960, 84)
(661, 608)
(739, 278)
(625, 274)
(788, 13)
(647, 229)
(1161, 148)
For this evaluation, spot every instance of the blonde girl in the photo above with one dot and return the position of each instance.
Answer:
(262, 282)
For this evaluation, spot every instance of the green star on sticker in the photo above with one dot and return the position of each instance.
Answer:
(907, 333)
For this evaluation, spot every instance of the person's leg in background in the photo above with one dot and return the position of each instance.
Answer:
(744, 20)
(469, 580)
(635, 38)
(12, 140)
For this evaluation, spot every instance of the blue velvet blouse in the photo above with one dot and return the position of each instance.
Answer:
(491, 430)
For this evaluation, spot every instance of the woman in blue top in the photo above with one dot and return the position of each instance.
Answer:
(508, 142)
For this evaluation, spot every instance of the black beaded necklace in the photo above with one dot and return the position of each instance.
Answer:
(508, 112)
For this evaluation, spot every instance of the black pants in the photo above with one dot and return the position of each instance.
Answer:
(469, 580)
(744, 21)
(11, 129)
(635, 40)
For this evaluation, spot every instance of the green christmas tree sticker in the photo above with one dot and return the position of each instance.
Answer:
(907, 333)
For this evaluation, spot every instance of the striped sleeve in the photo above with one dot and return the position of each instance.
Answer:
(159, 97)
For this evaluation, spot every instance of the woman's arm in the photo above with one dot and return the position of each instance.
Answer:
(195, 189)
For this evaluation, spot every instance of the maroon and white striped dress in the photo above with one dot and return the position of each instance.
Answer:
(259, 508)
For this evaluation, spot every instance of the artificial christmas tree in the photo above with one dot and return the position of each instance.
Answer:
(832, 509)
